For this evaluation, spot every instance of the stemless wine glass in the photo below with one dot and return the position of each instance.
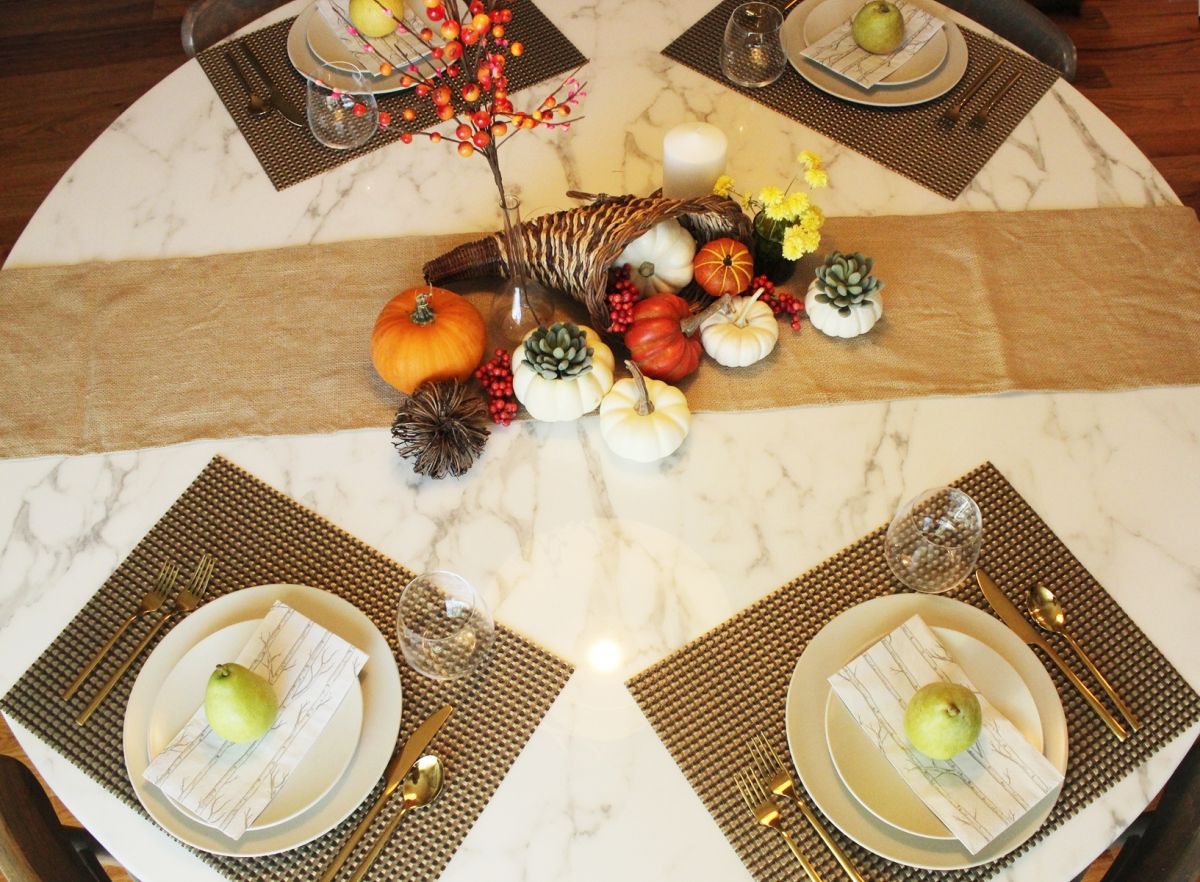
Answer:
(342, 112)
(752, 54)
(445, 628)
(933, 542)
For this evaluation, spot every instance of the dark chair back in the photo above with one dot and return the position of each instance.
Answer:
(207, 21)
(1024, 26)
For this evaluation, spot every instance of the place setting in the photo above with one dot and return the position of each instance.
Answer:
(917, 701)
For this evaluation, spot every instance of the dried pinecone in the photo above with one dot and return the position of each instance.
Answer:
(442, 427)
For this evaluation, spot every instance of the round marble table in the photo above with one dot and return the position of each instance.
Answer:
(656, 554)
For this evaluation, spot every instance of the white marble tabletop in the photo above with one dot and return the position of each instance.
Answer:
(609, 564)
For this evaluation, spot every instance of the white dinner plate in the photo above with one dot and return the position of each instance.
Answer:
(381, 698)
(310, 66)
(941, 81)
(183, 691)
(829, 14)
(874, 781)
(808, 693)
(329, 48)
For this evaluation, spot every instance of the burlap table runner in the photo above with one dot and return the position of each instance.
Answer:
(111, 356)
(290, 154)
(752, 656)
(259, 536)
(908, 140)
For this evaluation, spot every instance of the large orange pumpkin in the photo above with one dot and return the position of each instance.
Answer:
(427, 333)
(723, 266)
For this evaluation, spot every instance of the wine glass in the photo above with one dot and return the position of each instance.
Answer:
(751, 53)
(445, 628)
(342, 112)
(933, 541)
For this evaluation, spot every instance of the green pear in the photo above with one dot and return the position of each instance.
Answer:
(240, 705)
(942, 719)
(376, 18)
(878, 27)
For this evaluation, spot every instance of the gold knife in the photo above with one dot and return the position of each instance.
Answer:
(394, 774)
(1016, 623)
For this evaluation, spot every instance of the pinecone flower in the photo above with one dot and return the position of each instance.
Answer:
(442, 427)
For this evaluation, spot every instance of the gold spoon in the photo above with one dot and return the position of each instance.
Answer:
(421, 786)
(256, 105)
(1047, 613)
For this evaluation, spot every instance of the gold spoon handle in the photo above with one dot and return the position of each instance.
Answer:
(383, 840)
(120, 672)
(355, 837)
(834, 848)
(1109, 720)
(809, 869)
(95, 660)
(1126, 711)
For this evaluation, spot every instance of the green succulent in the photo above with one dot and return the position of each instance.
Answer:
(845, 281)
(559, 352)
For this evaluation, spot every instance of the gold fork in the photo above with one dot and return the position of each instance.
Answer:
(979, 120)
(151, 602)
(779, 781)
(189, 598)
(767, 813)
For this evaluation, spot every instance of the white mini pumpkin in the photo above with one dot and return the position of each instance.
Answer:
(643, 419)
(660, 260)
(743, 336)
(828, 319)
(560, 400)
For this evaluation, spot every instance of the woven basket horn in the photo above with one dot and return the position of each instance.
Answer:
(572, 250)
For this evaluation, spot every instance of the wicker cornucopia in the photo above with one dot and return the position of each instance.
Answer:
(572, 250)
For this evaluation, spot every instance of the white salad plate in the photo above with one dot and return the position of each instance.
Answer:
(944, 78)
(379, 683)
(874, 781)
(832, 13)
(311, 66)
(848, 635)
(183, 692)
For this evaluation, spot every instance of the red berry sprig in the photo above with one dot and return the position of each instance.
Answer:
(622, 296)
(496, 376)
(781, 302)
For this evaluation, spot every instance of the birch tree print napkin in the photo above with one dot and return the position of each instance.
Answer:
(980, 792)
(228, 785)
(838, 51)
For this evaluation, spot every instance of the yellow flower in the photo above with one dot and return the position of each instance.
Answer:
(770, 196)
(816, 178)
(793, 243)
(813, 219)
(809, 160)
(723, 185)
(778, 211)
(797, 205)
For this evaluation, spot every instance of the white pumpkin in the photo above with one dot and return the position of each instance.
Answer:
(644, 419)
(560, 400)
(743, 336)
(828, 319)
(660, 260)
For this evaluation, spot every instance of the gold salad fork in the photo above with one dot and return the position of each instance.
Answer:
(189, 598)
(151, 602)
(767, 813)
(779, 781)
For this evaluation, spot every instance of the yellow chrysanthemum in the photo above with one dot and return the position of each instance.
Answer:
(809, 160)
(816, 178)
(723, 186)
(813, 219)
(778, 211)
(797, 204)
(769, 196)
(811, 240)
(793, 243)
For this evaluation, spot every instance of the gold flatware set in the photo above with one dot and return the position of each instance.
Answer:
(955, 111)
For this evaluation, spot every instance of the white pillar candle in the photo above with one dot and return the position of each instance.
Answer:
(693, 159)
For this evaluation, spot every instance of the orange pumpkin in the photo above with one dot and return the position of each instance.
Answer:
(427, 333)
(723, 266)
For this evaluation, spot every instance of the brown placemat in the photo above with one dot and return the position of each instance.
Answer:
(290, 154)
(260, 536)
(752, 656)
(908, 140)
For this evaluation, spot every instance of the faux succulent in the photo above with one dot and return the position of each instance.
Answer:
(559, 352)
(844, 281)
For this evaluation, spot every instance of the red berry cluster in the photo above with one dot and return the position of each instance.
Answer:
(622, 296)
(497, 378)
(781, 302)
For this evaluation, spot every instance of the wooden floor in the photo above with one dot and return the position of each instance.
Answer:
(68, 68)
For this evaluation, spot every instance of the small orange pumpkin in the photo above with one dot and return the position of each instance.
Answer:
(723, 266)
(427, 333)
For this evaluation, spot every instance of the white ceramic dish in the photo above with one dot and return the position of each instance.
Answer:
(808, 694)
(945, 78)
(381, 697)
(874, 781)
(183, 691)
(831, 13)
(310, 66)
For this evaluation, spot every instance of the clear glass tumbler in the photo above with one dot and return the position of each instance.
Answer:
(342, 112)
(933, 542)
(752, 54)
(445, 628)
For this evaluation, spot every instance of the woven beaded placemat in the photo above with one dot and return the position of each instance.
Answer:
(908, 140)
(752, 656)
(259, 536)
(290, 154)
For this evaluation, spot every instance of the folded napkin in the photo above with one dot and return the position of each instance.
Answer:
(977, 794)
(228, 785)
(399, 48)
(838, 51)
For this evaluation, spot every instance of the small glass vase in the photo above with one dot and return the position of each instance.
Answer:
(768, 250)
(521, 303)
